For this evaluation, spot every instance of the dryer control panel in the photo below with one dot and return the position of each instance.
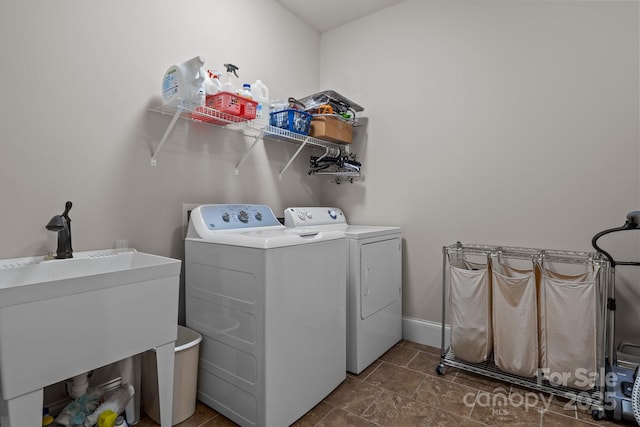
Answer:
(228, 217)
(297, 217)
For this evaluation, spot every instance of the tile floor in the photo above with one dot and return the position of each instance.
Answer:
(402, 389)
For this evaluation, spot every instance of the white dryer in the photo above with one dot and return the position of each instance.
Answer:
(374, 281)
(271, 307)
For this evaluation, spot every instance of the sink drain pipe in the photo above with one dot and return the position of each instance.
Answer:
(78, 385)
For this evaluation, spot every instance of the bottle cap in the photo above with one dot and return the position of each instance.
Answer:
(246, 86)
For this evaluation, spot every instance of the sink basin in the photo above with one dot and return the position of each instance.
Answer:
(61, 318)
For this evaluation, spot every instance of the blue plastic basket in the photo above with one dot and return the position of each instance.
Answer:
(292, 120)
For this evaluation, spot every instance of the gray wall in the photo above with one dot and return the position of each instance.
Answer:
(497, 122)
(78, 79)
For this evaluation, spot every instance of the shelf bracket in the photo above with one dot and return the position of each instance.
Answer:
(154, 157)
(246, 154)
(293, 157)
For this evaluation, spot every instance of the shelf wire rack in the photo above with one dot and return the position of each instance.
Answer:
(257, 129)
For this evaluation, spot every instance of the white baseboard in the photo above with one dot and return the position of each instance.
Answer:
(424, 332)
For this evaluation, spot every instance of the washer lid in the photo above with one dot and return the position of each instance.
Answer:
(268, 238)
(353, 231)
(332, 218)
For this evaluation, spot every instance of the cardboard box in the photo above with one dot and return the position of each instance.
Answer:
(329, 128)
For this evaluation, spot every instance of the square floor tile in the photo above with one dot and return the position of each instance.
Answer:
(397, 379)
(399, 355)
(447, 396)
(394, 410)
(354, 395)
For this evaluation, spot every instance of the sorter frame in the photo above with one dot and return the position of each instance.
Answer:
(594, 397)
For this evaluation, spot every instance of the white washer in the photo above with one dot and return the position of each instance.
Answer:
(270, 305)
(374, 285)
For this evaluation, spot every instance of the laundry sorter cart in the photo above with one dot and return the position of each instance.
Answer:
(531, 317)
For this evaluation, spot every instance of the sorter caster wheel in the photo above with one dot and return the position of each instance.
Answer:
(597, 414)
(440, 369)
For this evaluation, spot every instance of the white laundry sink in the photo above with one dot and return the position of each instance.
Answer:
(61, 318)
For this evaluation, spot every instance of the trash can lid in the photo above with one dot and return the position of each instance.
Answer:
(187, 338)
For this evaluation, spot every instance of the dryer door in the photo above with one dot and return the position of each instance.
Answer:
(381, 275)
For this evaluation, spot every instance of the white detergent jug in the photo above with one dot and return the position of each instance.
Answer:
(260, 94)
(184, 82)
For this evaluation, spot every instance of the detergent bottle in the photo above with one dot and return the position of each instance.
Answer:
(228, 84)
(184, 82)
(260, 94)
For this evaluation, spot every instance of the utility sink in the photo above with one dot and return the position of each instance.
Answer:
(63, 317)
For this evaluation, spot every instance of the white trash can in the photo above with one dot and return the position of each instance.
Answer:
(185, 378)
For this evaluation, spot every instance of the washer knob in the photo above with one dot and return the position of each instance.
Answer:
(301, 215)
(243, 216)
(309, 215)
(258, 216)
(333, 214)
(226, 217)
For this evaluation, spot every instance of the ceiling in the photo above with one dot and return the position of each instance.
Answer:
(325, 15)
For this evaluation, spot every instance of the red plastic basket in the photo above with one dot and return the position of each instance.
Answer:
(230, 103)
(226, 102)
(215, 117)
(247, 108)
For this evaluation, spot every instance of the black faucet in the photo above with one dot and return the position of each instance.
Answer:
(62, 225)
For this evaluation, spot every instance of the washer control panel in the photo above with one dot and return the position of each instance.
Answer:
(297, 217)
(227, 217)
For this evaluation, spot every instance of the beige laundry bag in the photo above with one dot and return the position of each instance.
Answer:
(568, 338)
(470, 308)
(515, 320)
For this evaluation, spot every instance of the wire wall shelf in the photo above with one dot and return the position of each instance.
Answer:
(251, 128)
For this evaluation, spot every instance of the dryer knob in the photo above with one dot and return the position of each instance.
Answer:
(258, 216)
(226, 217)
(309, 215)
(333, 214)
(301, 215)
(243, 216)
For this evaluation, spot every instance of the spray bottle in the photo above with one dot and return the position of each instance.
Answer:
(184, 82)
(212, 83)
(227, 84)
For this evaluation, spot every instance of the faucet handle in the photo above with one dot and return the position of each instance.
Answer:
(67, 208)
